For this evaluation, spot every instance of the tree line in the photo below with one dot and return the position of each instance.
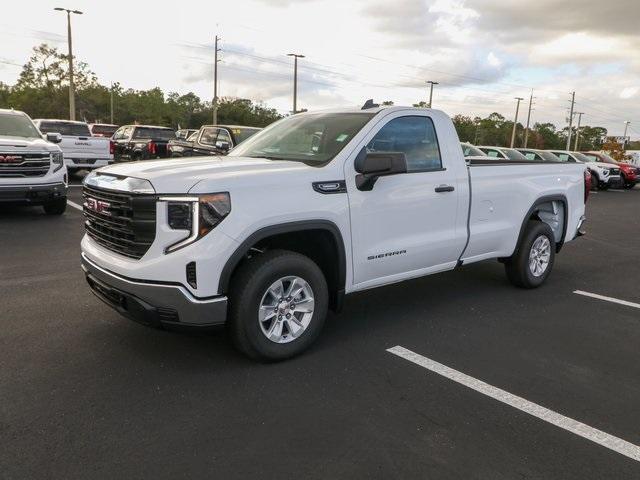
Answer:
(42, 91)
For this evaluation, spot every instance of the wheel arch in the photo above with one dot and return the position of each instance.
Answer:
(534, 214)
(330, 256)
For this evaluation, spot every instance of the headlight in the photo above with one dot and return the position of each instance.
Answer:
(197, 215)
(57, 159)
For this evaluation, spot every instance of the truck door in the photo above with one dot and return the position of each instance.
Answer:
(409, 224)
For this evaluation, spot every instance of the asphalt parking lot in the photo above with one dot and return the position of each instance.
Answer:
(87, 394)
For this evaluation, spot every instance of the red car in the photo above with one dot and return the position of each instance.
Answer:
(629, 173)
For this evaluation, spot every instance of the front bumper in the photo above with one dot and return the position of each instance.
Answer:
(151, 303)
(32, 194)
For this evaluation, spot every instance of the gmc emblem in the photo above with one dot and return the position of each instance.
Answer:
(10, 159)
(97, 206)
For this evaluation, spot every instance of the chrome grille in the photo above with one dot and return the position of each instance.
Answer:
(122, 222)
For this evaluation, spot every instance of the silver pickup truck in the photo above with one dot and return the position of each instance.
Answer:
(80, 149)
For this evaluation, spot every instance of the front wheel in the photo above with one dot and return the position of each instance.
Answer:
(278, 304)
(533, 259)
(55, 207)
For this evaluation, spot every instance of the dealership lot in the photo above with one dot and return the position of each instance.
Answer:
(87, 394)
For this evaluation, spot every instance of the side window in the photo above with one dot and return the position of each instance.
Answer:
(564, 157)
(209, 136)
(493, 153)
(223, 136)
(531, 156)
(415, 137)
(126, 132)
(118, 134)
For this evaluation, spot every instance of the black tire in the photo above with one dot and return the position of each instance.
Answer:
(55, 207)
(595, 183)
(248, 286)
(629, 185)
(604, 186)
(518, 267)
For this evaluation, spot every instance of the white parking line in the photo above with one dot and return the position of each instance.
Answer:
(74, 205)
(74, 185)
(585, 431)
(617, 191)
(607, 299)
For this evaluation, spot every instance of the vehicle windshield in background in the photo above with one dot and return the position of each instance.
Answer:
(14, 125)
(548, 156)
(155, 133)
(583, 158)
(471, 151)
(66, 129)
(241, 134)
(104, 130)
(310, 138)
(514, 155)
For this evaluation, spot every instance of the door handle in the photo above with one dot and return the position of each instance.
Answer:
(444, 188)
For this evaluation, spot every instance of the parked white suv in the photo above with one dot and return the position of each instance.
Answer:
(32, 170)
(603, 175)
(80, 149)
(316, 206)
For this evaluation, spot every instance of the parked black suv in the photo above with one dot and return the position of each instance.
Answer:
(211, 140)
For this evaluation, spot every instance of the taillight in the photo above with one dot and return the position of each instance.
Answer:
(112, 147)
(587, 184)
(152, 148)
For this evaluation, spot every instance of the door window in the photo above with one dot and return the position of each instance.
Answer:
(223, 136)
(209, 136)
(414, 136)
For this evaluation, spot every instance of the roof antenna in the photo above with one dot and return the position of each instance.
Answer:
(369, 104)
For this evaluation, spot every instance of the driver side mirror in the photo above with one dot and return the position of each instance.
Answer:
(53, 137)
(373, 165)
(221, 145)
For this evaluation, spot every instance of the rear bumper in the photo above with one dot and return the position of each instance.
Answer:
(86, 163)
(154, 304)
(32, 194)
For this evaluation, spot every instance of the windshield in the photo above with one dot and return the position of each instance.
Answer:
(154, 133)
(548, 156)
(66, 129)
(582, 157)
(241, 134)
(514, 154)
(471, 151)
(310, 138)
(17, 125)
(103, 130)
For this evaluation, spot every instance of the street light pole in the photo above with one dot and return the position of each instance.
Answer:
(577, 142)
(573, 102)
(624, 137)
(215, 81)
(295, 56)
(72, 93)
(515, 121)
(111, 102)
(431, 84)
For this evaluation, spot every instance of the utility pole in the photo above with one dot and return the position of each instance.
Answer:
(72, 93)
(575, 145)
(526, 130)
(515, 121)
(111, 102)
(624, 137)
(215, 81)
(431, 84)
(573, 101)
(295, 56)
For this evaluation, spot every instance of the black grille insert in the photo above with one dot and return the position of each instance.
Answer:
(122, 222)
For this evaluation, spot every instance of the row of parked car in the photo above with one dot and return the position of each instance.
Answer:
(605, 171)
(89, 146)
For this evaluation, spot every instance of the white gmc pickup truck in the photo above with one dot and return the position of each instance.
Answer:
(80, 149)
(316, 206)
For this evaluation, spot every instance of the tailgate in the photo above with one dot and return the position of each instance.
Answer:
(85, 147)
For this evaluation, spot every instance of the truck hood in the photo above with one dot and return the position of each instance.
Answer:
(13, 144)
(180, 175)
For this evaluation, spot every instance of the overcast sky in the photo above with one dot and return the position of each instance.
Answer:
(482, 52)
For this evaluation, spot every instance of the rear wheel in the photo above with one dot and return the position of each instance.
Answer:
(278, 305)
(531, 263)
(55, 207)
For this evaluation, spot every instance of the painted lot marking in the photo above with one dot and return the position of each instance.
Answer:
(585, 431)
(607, 299)
(74, 205)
